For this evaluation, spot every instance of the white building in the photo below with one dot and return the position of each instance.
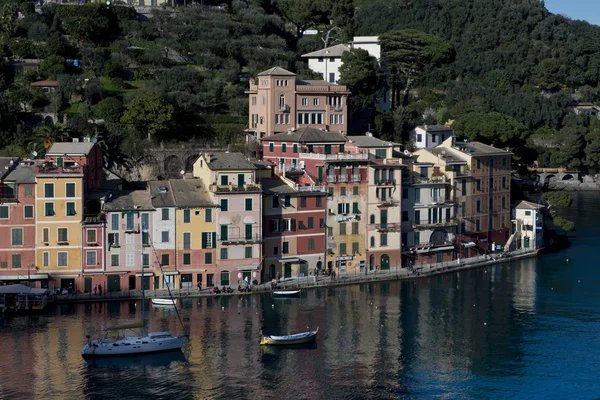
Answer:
(427, 136)
(530, 225)
(163, 228)
(328, 61)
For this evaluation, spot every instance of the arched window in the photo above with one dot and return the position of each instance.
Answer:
(372, 241)
(330, 173)
(372, 219)
(281, 101)
(355, 172)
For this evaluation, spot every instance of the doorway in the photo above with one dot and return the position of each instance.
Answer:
(385, 262)
(88, 285)
(287, 270)
(131, 282)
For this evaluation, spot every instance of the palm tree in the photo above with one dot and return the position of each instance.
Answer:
(48, 134)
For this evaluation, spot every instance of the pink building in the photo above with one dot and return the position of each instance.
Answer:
(74, 154)
(17, 224)
(279, 102)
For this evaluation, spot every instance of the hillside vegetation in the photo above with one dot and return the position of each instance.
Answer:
(505, 71)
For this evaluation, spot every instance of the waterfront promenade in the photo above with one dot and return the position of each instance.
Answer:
(420, 271)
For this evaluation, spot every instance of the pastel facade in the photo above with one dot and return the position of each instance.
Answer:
(528, 232)
(163, 235)
(279, 102)
(233, 187)
(17, 224)
(427, 136)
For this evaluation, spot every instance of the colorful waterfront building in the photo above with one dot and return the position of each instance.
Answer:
(383, 197)
(163, 234)
(233, 186)
(293, 228)
(17, 224)
(279, 102)
(129, 219)
(195, 223)
(68, 172)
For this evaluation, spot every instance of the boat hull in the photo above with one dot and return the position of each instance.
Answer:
(164, 302)
(132, 346)
(287, 293)
(300, 338)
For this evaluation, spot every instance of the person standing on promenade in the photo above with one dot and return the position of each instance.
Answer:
(100, 290)
(199, 286)
(95, 289)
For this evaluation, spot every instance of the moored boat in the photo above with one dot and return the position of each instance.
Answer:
(164, 302)
(286, 293)
(298, 338)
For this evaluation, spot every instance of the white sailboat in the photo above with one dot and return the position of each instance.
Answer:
(115, 343)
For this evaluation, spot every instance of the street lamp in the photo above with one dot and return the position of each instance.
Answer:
(29, 274)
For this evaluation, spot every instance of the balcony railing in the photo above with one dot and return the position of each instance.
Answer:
(343, 178)
(389, 202)
(386, 182)
(51, 169)
(334, 157)
(387, 227)
(284, 108)
(426, 224)
(93, 218)
(429, 180)
(331, 179)
(355, 178)
(239, 238)
(337, 108)
(131, 227)
(304, 189)
(233, 188)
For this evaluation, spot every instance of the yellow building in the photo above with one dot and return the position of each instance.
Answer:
(59, 210)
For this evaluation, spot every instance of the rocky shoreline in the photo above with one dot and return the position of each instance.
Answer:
(587, 183)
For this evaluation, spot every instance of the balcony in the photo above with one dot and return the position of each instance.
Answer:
(235, 239)
(52, 169)
(346, 217)
(343, 178)
(131, 228)
(387, 182)
(355, 178)
(284, 108)
(389, 202)
(385, 227)
(235, 189)
(93, 218)
(334, 157)
(337, 108)
(425, 224)
(331, 179)
(430, 180)
(310, 189)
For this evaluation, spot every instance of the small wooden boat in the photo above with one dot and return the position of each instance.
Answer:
(298, 338)
(286, 293)
(164, 302)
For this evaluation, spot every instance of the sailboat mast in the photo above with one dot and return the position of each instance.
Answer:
(143, 276)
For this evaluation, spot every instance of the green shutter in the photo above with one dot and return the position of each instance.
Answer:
(271, 147)
(340, 208)
(214, 240)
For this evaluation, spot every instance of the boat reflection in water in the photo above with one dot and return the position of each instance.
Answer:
(164, 359)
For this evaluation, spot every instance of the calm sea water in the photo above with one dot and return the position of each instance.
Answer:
(529, 329)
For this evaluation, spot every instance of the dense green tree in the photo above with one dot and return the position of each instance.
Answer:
(109, 109)
(149, 113)
(52, 67)
(361, 73)
(491, 128)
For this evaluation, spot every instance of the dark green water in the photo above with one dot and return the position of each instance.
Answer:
(530, 329)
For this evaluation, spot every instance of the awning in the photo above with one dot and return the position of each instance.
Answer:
(65, 276)
(93, 272)
(171, 273)
(248, 268)
(469, 244)
(291, 259)
(442, 248)
(23, 277)
(145, 273)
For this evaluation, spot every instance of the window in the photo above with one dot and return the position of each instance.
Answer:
(63, 258)
(28, 190)
(3, 212)
(342, 191)
(71, 209)
(372, 241)
(28, 211)
(165, 214)
(248, 205)
(330, 191)
(70, 189)
(327, 149)
(285, 249)
(321, 223)
(3, 264)
(16, 260)
(48, 190)
(478, 164)
(224, 232)
(208, 240)
(248, 232)
(342, 248)
(383, 239)
(63, 235)
(463, 207)
(49, 209)
(283, 148)
(380, 153)
(372, 219)
(187, 259)
(275, 250)
(478, 206)
(316, 102)
(310, 222)
(503, 202)
(355, 208)
(317, 202)
(304, 101)
(145, 239)
(405, 194)
(478, 184)
(248, 252)
(342, 228)
(271, 147)
(287, 201)
(164, 236)
(187, 216)
(187, 240)
(224, 205)
(46, 259)
(503, 182)
(355, 248)
(164, 259)
(311, 244)
(355, 228)
(114, 260)
(207, 258)
(208, 215)
(46, 235)
(303, 202)
(331, 77)
(477, 225)
(90, 257)
(528, 213)
(295, 148)
(225, 278)
(223, 254)
(91, 236)
(17, 237)
(114, 222)
(320, 59)
(113, 239)
(464, 187)
(146, 260)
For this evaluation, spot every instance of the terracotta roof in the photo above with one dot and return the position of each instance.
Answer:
(277, 71)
